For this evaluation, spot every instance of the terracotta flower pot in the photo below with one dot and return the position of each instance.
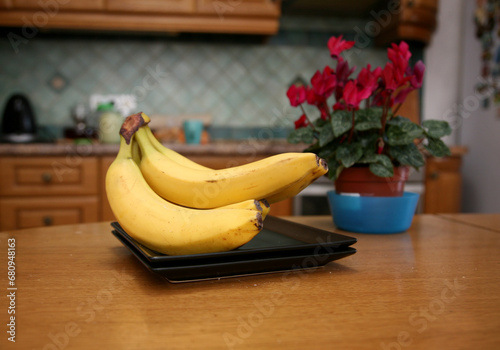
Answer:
(359, 179)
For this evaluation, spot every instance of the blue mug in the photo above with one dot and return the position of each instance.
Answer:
(192, 131)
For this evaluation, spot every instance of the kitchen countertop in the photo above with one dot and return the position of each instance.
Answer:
(433, 287)
(244, 147)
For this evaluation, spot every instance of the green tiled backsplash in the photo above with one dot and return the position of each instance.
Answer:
(239, 84)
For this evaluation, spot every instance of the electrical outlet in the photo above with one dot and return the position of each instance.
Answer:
(124, 104)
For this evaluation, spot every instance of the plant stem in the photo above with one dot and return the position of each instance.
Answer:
(397, 109)
(307, 117)
(351, 132)
(385, 111)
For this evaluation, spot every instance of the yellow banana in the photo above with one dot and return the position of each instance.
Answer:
(215, 188)
(164, 226)
(297, 187)
(262, 206)
(176, 157)
(266, 208)
(289, 192)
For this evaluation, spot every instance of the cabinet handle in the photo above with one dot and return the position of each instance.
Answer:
(434, 175)
(48, 220)
(47, 177)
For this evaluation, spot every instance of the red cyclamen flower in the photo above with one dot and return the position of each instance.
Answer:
(337, 45)
(353, 95)
(296, 95)
(324, 83)
(399, 56)
(368, 79)
(418, 75)
(301, 122)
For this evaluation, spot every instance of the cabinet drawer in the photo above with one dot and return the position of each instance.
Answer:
(18, 213)
(43, 176)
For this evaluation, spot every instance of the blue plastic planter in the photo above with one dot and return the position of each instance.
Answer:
(373, 214)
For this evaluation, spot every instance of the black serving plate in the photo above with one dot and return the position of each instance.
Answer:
(282, 245)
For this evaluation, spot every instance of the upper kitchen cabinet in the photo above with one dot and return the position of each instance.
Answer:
(262, 8)
(152, 6)
(54, 6)
(216, 16)
(413, 20)
(385, 21)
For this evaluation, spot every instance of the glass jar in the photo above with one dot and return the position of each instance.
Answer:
(110, 122)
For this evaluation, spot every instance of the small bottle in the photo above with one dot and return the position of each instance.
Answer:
(110, 122)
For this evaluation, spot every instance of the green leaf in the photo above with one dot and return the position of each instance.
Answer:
(349, 153)
(381, 170)
(367, 119)
(407, 155)
(380, 164)
(368, 157)
(334, 168)
(385, 161)
(437, 148)
(341, 122)
(305, 135)
(402, 131)
(325, 135)
(436, 128)
(325, 152)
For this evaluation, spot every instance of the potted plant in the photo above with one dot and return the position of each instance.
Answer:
(356, 127)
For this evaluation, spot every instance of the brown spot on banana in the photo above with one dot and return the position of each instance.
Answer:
(259, 222)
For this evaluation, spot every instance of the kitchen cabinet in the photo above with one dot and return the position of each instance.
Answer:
(410, 20)
(58, 190)
(239, 16)
(443, 183)
(55, 6)
(264, 8)
(44, 191)
(160, 6)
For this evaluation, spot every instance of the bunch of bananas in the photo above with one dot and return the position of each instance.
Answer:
(175, 206)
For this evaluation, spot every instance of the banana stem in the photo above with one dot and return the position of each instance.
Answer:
(125, 150)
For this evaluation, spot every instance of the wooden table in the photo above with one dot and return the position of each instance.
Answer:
(434, 287)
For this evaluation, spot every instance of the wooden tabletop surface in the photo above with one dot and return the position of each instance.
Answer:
(433, 287)
(488, 221)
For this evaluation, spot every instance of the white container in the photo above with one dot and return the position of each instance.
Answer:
(110, 123)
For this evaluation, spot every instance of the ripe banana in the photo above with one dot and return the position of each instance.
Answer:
(288, 192)
(215, 188)
(166, 227)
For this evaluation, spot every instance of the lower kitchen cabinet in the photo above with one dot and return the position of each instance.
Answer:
(20, 212)
(443, 185)
(44, 190)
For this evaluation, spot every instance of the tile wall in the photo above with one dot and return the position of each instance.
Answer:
(240, 81)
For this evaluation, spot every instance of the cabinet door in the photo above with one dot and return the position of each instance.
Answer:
(5, 4)
(443, 185)
(262, 8)
(27, 212)
(152, 6)
(105, 213)
(55, 6)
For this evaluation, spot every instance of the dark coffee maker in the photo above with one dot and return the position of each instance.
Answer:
(18, 120)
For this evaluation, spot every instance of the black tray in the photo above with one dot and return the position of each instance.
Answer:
(282, 245)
